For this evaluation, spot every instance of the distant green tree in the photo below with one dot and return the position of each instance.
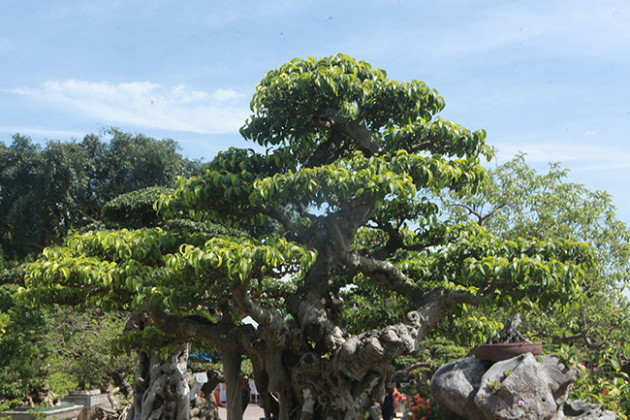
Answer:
(84, 339)
(47, 352)
(23, 350)
(133, 162)
(519, 201)
(46, 191)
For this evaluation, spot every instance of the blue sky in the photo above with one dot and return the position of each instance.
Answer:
(548, 78)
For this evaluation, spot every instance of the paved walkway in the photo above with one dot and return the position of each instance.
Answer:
(253, 412)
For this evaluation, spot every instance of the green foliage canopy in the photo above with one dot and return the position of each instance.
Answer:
(340, 203)
(47, 191)
(519, 201)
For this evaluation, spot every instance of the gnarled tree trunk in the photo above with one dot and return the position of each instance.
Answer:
(344, 382)
(160, 390)
(204, 407)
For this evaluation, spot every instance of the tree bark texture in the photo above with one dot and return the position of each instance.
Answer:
(232, 373)
(160, 390)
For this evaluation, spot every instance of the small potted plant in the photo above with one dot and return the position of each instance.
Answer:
(510, 343)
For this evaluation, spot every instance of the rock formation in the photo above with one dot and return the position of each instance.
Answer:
(522, 388)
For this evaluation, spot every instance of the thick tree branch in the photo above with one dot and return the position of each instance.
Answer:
(216, 335)
(387, 274)
(411, 367)
(278, 215)
(353, 128)
(292, 229)
(264, 316)
(344, 225)
(438, 302)
(376, 349)
(311, 310)
(395, 242)
(327, 152)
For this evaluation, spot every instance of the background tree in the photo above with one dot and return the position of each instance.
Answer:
(519, 201)
(45, 192)
(84, 357)
(23, 350)
(339, 202)
(38, 191)
(131, 162)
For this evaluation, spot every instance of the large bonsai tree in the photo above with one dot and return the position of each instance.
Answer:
(310, 236)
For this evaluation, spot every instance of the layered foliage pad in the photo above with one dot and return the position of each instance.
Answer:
(335, 217)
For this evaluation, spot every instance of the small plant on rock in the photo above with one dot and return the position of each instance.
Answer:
(494, 385)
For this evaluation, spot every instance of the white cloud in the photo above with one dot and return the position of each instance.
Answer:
(39, 131)
(226, 95)
(146, 104)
